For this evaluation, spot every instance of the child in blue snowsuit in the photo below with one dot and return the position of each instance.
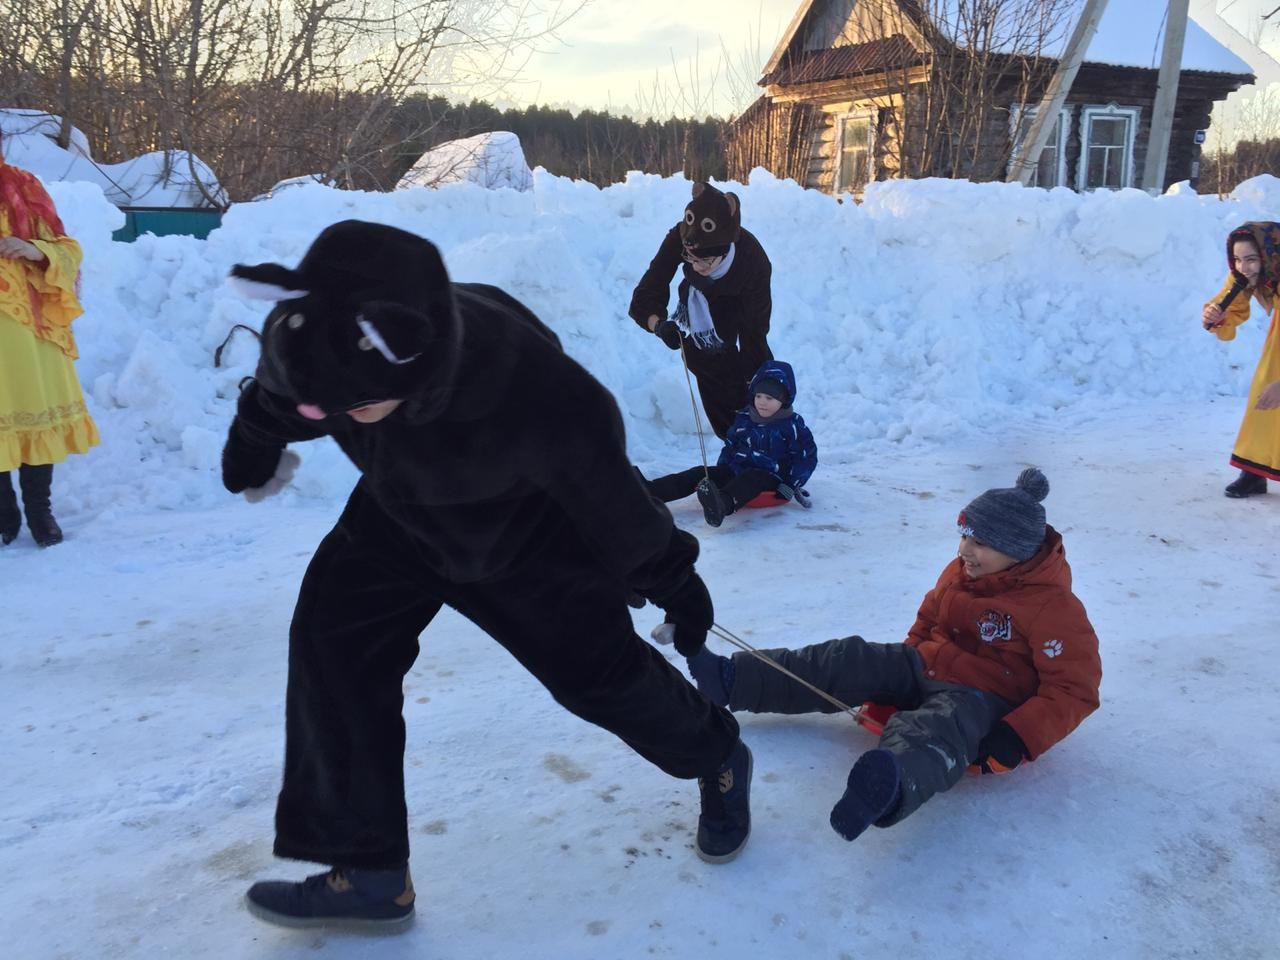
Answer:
(768, 447)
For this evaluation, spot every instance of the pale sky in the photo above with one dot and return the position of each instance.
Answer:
(690, 57)
(694, 58)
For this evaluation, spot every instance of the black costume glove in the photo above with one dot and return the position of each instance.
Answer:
(1001, 750)
(689, 610)
(245, 465)
(669, 333)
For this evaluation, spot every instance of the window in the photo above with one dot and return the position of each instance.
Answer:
(1051, 170)
(855, 151)
(1106, 147)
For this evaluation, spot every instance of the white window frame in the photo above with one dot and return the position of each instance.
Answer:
(1109, 111)
(872, 115)
(1016, 113)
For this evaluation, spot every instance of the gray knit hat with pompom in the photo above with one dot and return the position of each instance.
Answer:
(1010, 519)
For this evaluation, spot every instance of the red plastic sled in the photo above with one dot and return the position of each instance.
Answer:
(874, 716)
(767, 499)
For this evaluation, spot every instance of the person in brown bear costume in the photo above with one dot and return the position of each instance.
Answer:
(536, 533)
(723, 303)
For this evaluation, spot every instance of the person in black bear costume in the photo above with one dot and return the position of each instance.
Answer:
(723, 303)
(535, 529)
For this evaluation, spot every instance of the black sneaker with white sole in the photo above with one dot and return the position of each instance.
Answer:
(725, 822)
(370, 900)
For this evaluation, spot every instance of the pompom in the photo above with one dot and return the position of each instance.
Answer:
(1034, 483)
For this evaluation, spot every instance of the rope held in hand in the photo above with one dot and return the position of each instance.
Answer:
(697, 416)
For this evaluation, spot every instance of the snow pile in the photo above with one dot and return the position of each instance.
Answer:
(490, 160)
(929, 310)
(159, 179)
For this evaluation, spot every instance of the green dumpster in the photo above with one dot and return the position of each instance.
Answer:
(167, 221)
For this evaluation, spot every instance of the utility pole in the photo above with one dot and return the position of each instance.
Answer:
(1047, 114)
(1175, 33)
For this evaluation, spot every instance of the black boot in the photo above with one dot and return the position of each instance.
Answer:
(10, 518)
(1246, 485)
(35, 483)
(715, 505)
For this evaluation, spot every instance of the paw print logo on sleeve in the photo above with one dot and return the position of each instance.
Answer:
(1052, 648)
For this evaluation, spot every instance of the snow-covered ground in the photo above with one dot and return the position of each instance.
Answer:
(943, 335)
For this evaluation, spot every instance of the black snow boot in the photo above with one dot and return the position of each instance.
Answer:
(1246, 485)
(874, 790)
(725, 822)
(374, 900)
(10, 518)
(715, 505)
(35, 483)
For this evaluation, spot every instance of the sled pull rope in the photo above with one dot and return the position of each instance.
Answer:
(741, 644)
(697, 417)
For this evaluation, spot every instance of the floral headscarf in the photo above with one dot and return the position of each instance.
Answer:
(27, 203)
(1265, 234)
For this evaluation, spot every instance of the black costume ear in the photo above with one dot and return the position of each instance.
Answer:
(267, 281)
(397, 332)
(732, 200)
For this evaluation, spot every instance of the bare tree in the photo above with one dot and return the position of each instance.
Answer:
(260, 91)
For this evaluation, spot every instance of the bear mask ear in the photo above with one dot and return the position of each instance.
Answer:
(395, 331)
(266, 281)
(732, 200)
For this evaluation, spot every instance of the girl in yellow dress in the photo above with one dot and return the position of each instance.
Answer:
(42, 413)
(1253, 257)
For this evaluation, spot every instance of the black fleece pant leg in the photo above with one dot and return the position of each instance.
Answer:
(936, 741)
(749, 484)
(364, 600)
(568, 624)
(353, 638)
(677, 486)
(721, 384)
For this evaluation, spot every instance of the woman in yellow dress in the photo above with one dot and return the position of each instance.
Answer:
(42, 413)
(1253, 257)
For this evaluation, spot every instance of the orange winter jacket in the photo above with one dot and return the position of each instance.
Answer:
(1020, 634)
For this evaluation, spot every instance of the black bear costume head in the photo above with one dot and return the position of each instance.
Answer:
(712, 221)
(368, 315)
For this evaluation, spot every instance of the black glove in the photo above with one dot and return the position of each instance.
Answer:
(669, 333)
(1000, 751)
(245, 465)
(689, 610)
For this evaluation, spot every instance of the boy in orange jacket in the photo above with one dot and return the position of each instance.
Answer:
(1000, 664)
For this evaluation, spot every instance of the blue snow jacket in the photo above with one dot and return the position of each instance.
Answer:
(781, 446)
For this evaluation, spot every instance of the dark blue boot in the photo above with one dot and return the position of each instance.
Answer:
(725, 822)
(377, 900)
(874, 790)
(713, 674)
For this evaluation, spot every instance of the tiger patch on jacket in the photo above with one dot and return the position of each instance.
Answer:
(994, 625)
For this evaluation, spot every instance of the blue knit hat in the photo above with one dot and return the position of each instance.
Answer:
(1009, 519)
